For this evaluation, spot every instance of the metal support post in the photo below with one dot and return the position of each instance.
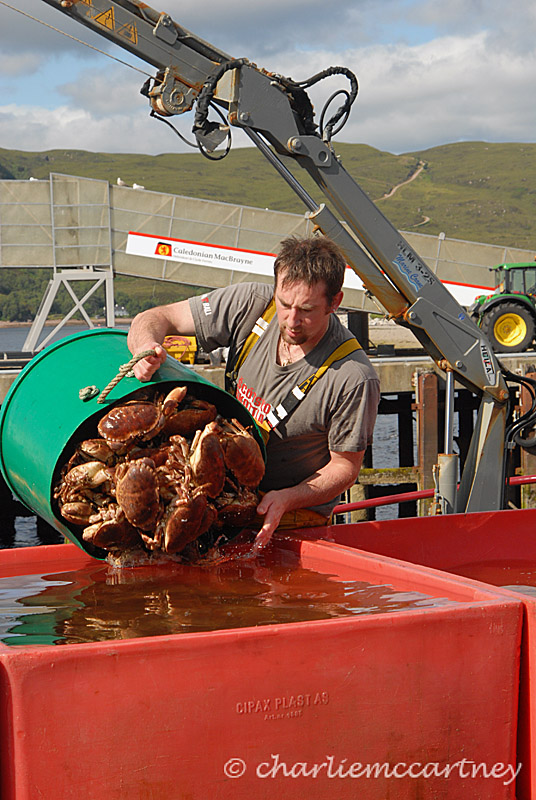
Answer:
(65, 278)
(426, 402)
(528, 457)
(446, 472)
(449, 412)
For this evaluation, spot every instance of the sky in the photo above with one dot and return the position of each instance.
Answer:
(430, 72)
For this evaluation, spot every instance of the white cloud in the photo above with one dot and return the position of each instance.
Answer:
(429, 72)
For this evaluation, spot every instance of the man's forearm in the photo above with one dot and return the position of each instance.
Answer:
(148, 328)
(325, 484)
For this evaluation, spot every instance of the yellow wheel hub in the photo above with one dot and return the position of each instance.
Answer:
(510, 329)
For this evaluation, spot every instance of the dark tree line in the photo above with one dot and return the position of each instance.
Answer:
(22, 290)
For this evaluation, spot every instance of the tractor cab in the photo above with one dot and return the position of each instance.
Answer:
(517, 278)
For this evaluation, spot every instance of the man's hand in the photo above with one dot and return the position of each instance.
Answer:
(145, 369)
(329, 481)
(272, 506)
(149, 329)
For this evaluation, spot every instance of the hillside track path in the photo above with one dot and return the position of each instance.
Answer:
(411, 178)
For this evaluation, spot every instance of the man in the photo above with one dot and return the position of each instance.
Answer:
(315, 451)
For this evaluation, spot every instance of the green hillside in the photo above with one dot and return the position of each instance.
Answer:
(469, 190)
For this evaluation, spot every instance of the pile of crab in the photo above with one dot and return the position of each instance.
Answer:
(165, 469)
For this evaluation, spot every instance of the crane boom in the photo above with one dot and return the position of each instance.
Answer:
(276, 114)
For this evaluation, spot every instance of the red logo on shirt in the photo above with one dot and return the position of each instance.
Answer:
(257, 407)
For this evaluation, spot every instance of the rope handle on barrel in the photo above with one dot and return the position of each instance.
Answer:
(124, 371)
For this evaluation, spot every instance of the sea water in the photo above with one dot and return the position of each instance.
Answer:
(100, 603)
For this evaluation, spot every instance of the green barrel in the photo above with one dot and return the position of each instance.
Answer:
(43, 415)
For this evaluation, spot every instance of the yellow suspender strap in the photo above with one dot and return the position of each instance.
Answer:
(297, 394)
(258, 329)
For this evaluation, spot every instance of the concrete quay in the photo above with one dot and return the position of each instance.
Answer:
(397, 373)
(7, 377)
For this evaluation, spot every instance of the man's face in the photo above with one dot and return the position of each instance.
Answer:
(303, 311)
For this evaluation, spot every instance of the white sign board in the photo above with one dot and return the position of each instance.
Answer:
(207, 255)
(250, 261)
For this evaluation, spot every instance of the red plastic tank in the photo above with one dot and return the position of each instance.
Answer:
(451, 543)
(370, 706)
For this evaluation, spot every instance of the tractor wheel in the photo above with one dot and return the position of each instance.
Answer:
(509, 327)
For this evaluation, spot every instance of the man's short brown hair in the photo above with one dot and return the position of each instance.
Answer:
(311, 260)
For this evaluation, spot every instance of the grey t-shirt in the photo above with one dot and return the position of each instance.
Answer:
(338, 412)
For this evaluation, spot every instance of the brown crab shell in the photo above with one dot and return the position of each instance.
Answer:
(113, 532)
(207, 461)
(136, 419)
(77, 512)
(96, 450)
(182, 523)
(137, 492)
(193, 417)
(237, 510)
(243, 456)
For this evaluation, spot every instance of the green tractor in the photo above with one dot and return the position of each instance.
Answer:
(508, 315)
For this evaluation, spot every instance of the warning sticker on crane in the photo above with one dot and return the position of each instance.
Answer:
(106, 19)
(128, 31)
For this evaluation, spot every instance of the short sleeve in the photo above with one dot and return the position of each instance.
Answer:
(229, 314)
(352, 422)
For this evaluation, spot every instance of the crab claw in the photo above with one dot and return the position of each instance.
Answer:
(88, 475)
(172, 400)
(77, 512)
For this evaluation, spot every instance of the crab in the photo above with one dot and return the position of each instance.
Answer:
(191, 417)
(157, 454)
(83, 477)
(111, 530)
(182, 523)
(207, 460)
(176, 470)
(138, 420)
(136, 490)
(237, 508)
(165, 470)
(96, 450)
(243, 456)
(187, 516)
(78, 511)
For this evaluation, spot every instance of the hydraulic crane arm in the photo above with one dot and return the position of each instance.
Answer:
(276, 114)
